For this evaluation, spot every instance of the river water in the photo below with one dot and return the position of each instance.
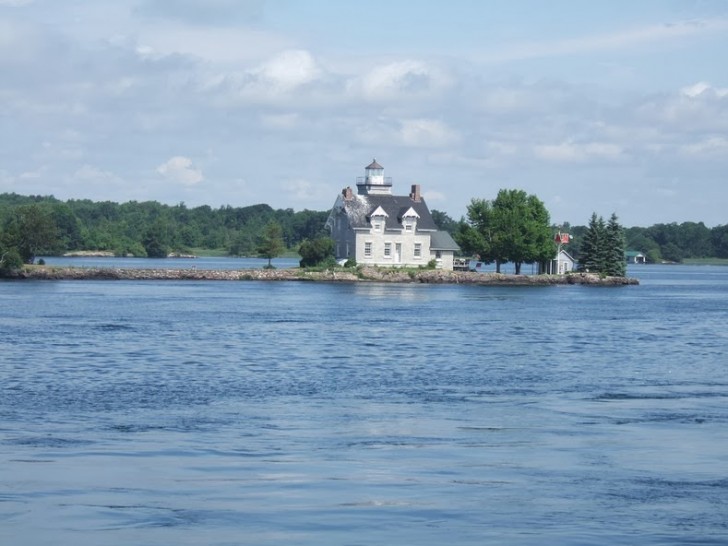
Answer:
(227, 413)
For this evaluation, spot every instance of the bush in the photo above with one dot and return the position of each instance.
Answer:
(316, 252)
(350, 263)
(11, 261)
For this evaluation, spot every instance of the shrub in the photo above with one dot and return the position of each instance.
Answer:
(10, 261)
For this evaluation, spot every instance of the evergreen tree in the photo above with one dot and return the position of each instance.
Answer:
(616, 265)
(592, 245)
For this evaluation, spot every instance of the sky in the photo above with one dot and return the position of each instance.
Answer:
(602, 106)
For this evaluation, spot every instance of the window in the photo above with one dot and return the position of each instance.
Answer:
(377, 225)
(387, 250)
(408, 227)
(418, 250)
(368, 249)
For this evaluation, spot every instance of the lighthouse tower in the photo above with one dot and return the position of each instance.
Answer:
(374, 181)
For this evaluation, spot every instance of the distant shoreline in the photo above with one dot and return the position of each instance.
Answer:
(364, 274)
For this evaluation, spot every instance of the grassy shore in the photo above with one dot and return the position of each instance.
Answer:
(705, 261)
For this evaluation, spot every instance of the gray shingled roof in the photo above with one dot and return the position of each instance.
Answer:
(359, 209)
(441, 240)
(374, 165)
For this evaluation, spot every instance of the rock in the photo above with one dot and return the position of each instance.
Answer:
(364, 274)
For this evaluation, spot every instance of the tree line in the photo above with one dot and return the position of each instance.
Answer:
(514, 227)
(37, 225)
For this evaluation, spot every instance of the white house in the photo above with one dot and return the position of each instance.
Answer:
(562, 263)
(375, 227)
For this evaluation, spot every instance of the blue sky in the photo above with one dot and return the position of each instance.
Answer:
(592, 106)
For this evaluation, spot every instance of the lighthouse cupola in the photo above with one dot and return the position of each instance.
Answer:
(374, 181)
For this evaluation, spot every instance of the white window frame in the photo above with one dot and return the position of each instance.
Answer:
(387, 251)
(367, 249)
(418, 251)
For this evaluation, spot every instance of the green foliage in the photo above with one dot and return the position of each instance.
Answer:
(593, 257)
(514, 227)
(314, 252)
(151, 228)
(444, 222)
(157, 239)
(602, 248)
(476, 237)
(271, 243)
(616, 265)
(10, 261)
(31, 229)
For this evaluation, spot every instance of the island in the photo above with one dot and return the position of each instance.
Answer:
(359, 274)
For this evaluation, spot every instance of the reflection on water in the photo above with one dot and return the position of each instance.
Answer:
(310, 413)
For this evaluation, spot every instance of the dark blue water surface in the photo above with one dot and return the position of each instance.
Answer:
(226, 413)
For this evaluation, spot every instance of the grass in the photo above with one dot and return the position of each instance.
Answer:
(706, 261)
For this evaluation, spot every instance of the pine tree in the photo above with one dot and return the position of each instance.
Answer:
(616, 265)
(592, 247)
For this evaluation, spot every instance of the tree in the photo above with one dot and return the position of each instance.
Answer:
(156, 240)
(476, 236)
(602, 248)
(521, 229)
(616, 264)
(31, 229)
(316, 251)
(444, 221)
(10, 261)
(271, 242)
(592, 245)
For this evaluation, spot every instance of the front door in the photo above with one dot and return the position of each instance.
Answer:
(398, 253)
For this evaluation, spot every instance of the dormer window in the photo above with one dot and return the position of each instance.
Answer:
(409, 220)
(377, 219)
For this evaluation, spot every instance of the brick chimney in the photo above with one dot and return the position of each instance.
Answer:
(347, 193)
(415, 193)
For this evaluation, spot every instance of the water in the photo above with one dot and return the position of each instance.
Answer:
(226, 413)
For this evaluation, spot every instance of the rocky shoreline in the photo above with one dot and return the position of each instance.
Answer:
(364, 274)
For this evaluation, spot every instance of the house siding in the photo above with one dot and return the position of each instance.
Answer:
(379, 240)
(377, 217)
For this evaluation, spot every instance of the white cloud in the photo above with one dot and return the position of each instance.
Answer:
(571, 152)
(696, 108)
(697, 89)
(287, 71)
(231, 46)
(713, 147)
(180, 169)
(91, 175)
(400, 79)
(15, 3)
(427, 133)
(434, 196)
(301, 190)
